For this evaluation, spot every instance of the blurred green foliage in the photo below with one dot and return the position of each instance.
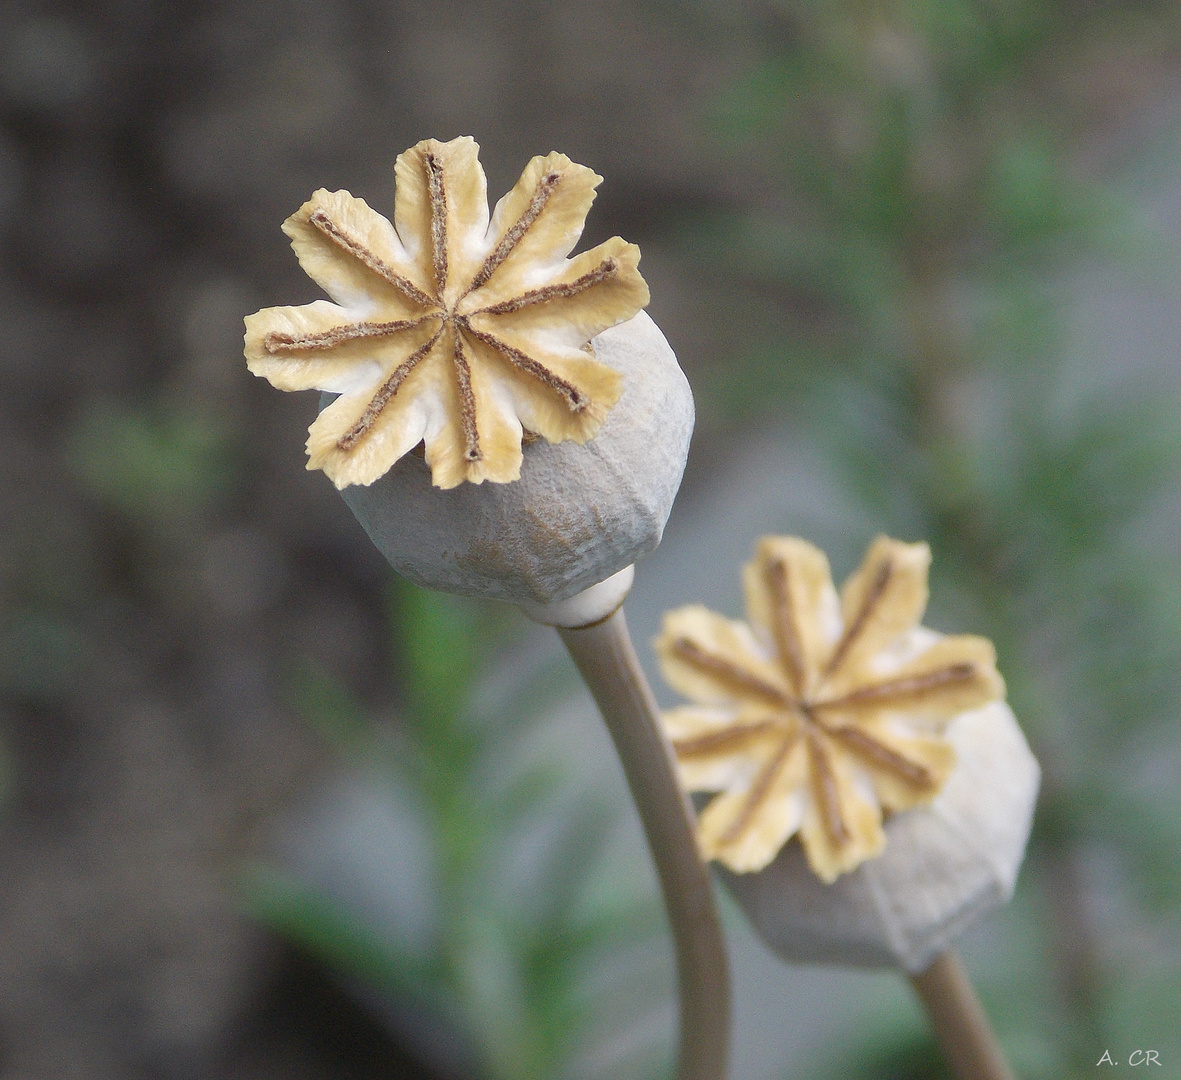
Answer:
(153, 463)
(902, 1059)
(514, 959)
(153, 469)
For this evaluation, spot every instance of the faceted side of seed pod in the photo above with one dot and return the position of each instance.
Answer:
(577, 515)
(944, 866)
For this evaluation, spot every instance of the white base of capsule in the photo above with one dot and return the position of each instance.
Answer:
(586, 608)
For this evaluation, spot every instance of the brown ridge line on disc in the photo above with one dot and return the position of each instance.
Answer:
(467, 402)
(905, 687)
(719, 742)
(384, 394)
(854, 630)
(575, 399)
(727, 672)
(827, 793)
(757, 795)
(541, 195)
(321, 220)
(275, 342)
(791, 650)
(562, 290)
(888, 758)
(438, 196)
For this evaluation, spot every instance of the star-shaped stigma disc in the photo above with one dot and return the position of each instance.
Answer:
(824, 711)
(449, 328)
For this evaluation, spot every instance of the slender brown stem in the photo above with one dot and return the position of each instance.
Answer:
(960, 1023)
(604, 655)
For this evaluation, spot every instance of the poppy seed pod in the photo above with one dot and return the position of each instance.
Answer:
(550, 418)
(875, 791)
(578, 513)
(944, 865)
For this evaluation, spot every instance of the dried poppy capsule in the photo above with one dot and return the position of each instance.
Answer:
(475, 337)
(944, 866)
(883, 745)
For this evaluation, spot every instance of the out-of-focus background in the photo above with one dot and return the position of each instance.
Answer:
(269, 813)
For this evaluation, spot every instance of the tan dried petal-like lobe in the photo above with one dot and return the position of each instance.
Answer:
(861, 819)
(400, 425)
(319, 346)
(714, 660)
(498, 435)
(463, 227)
(928, 764)
(880, 602)
(544, 381)
(536, 225)
(577, 301)
(953, 675)
(745, 829)
(791, 598)
(714, 746)
(354, 255)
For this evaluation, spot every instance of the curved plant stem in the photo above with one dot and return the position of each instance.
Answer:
(960, 1023)
(604, 655)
